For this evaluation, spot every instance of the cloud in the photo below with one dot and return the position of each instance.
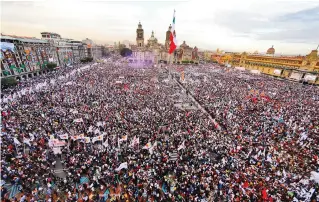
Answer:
(297, 26)
(227, 24)
(308, 15)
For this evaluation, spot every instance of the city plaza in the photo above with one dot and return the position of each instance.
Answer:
(159, 130)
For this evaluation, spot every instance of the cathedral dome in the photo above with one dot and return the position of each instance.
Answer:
(152, 37)
(271, 51)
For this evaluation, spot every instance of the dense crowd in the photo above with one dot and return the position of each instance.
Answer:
(109, 132)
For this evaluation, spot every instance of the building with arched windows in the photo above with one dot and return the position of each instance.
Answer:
(28, 56)
(155, 52)
(298, 68)
(150, 53)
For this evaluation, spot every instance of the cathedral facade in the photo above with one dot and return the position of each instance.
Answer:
(152, 52)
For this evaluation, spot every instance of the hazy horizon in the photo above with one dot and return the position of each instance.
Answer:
(230, 25)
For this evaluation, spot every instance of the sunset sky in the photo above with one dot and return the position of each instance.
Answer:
(231, 25)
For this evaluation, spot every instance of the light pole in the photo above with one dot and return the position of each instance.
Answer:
(57, 53)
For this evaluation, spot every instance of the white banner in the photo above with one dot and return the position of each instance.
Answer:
(122, 166)
(254, 71)
(277, 71)
(295, 76)
(240, 68)
(310, 77)
(58, 143)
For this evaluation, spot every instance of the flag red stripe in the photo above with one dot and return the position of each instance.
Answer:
(172, 44)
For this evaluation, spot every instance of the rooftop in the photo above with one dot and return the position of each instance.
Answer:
(22, 39)
(49, 33)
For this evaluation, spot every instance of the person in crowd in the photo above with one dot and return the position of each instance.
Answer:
(111, 132)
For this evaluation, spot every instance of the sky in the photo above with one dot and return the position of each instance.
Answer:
(292, 26)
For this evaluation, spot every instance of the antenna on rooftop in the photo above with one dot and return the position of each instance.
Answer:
(317, 47)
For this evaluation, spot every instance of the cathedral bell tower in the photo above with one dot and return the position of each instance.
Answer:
(168, 33)
(139, 35)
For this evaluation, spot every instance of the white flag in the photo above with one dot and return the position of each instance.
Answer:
(27, 141)
(74, 111)
(314, 176)
(57, 150)
(78, 120)
(106, 143)
(152, 148)
(97, 131)
(16, 141)
(90, 129)
(122, 166)
(135, 141)
(97, 138)
(31, 136)
(182, 146)
(147, 146)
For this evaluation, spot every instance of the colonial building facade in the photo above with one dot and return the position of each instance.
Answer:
(187, 53)
(150, 53)
(23, 55)
(299, 68)
(154, 52)
(28, 56)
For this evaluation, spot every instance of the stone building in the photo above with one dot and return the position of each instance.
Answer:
(28, 56)
(61, 49)
(150, 53)
(93, 50)
(187, 53)
(299, 68)
(25, 56)
(155, 52)
(79, 50)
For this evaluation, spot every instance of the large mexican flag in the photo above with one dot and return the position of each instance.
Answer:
(172, 38)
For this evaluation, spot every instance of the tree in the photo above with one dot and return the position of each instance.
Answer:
(8, 82)
(125, 52)
(84, 60)
(51, 66)
(87, 59)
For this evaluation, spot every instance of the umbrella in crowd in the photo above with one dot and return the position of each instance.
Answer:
(111, 132)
